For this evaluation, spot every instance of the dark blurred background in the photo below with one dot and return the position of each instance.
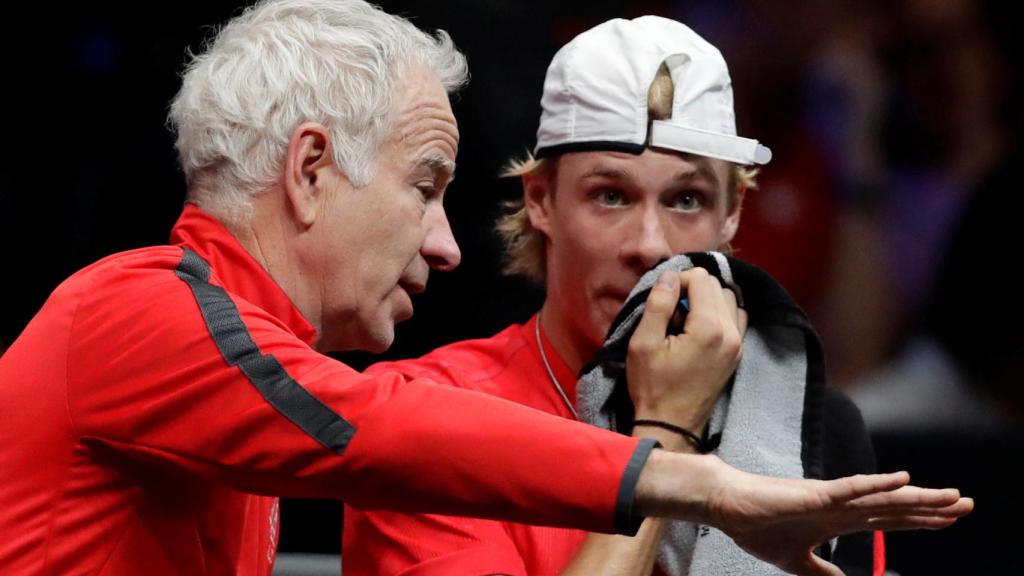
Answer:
(888, 210)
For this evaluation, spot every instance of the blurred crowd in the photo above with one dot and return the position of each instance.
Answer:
(887, 209)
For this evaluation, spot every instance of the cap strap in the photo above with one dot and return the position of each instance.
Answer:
(665, 134)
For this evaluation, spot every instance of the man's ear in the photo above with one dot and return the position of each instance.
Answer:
(732, 220)
(538, 197)
(306, 165)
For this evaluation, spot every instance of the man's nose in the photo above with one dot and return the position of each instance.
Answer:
(440, 249)
(647, 241)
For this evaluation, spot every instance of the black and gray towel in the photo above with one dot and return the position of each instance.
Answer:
(770, 418)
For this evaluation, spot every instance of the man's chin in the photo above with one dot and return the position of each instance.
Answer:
(608, 311)
(372, 339)
(378, 332)
(380, 340)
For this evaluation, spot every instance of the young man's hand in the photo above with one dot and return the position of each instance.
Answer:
(677, 378)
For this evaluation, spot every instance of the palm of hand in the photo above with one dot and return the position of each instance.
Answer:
(782, 521)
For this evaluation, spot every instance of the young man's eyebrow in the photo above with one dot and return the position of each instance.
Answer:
(701, 170)
(607, 172)
(705, 169)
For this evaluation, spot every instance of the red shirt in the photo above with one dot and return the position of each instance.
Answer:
(161, 399)
(386, 543)
(508, 365)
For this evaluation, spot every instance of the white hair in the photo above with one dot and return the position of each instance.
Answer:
(284, 62)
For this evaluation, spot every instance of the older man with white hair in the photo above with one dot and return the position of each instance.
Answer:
(163, 398)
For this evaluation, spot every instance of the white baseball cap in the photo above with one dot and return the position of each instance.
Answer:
(595, 94)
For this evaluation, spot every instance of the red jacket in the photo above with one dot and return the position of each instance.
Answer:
(161, 399)
(378, 543)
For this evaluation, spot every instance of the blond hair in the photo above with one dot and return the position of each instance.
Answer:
(525, 246)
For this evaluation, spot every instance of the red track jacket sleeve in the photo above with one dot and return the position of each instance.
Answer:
(199, 380)
(169, 375)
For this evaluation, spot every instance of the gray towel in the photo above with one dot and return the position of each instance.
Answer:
(769, 418)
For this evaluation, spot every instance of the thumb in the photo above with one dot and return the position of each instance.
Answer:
(816, 566)
(661, 304)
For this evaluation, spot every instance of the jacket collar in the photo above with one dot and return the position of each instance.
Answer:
(235, 270)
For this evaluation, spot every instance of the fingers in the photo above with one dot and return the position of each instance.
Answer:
(911, 517)
(962, 507)
(737, 318)
(713, 311)
(905, 498)
(910, 523)
(739, 314)
(958, 508)
(741, 322)
(854, 487)
(706, 302)
(661, 304)
(713, 319)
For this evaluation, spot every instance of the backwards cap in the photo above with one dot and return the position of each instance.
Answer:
(595, 94)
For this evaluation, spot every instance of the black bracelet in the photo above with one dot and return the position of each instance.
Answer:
(703, 445)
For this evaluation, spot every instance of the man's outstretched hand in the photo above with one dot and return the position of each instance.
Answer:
(783, 520)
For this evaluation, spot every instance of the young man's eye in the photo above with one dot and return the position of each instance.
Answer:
(610, 197)
(687, 202)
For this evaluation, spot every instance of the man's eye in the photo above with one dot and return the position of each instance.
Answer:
(610, 197)
(427, 192)
(688, 202)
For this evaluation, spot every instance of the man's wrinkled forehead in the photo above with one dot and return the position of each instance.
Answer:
(424, 120)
